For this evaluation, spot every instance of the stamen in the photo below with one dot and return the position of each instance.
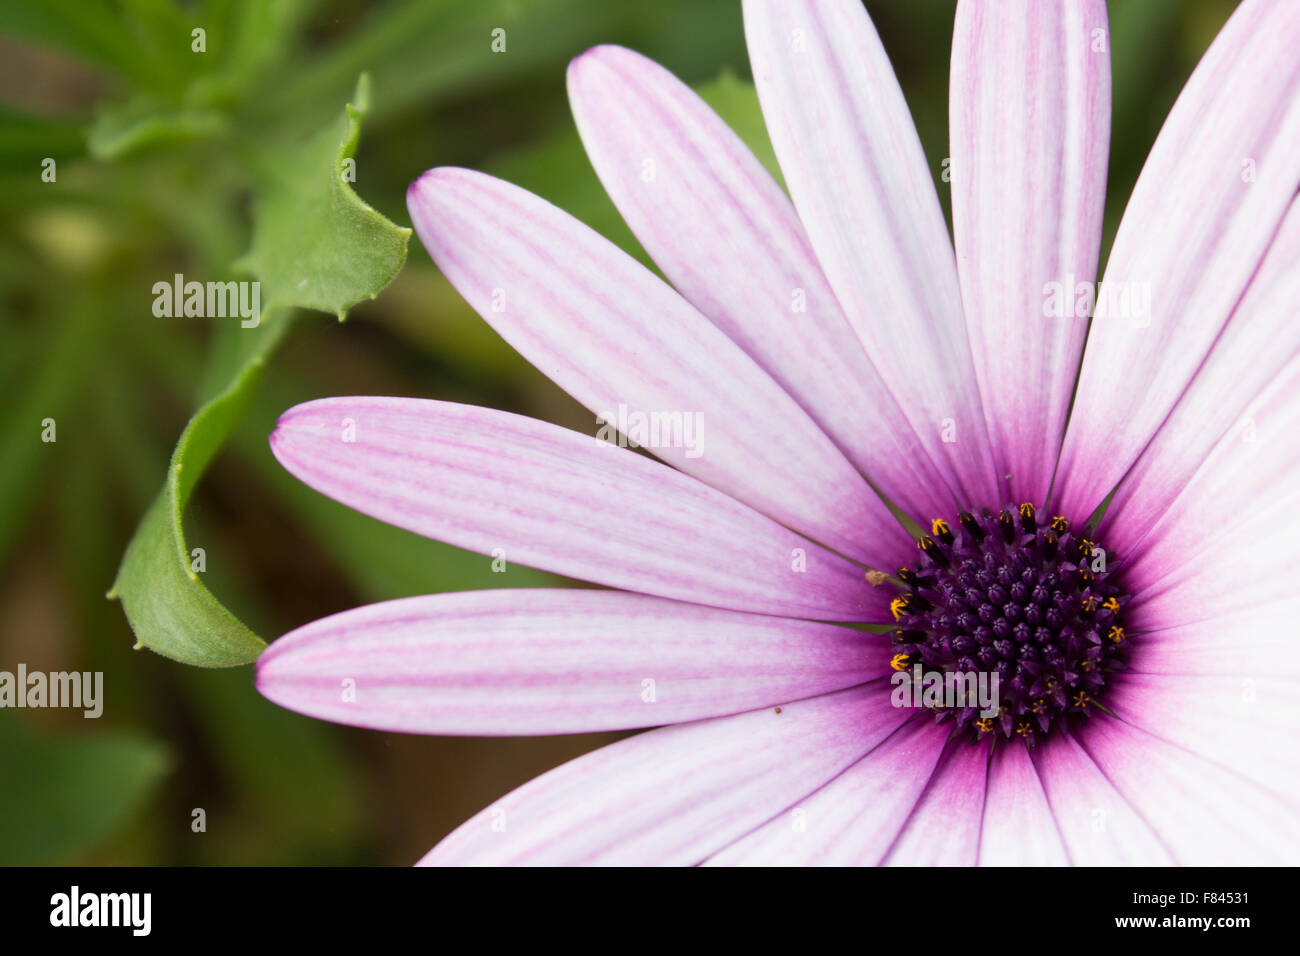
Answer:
(1049, 545)
(1027, 518)
(932, 551)
(972, 526)
(908, 577)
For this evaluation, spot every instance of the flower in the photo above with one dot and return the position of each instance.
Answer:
(1146, 664)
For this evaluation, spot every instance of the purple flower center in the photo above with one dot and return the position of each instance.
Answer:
(1010, 595)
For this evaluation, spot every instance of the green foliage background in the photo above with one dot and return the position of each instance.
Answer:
(230, 164)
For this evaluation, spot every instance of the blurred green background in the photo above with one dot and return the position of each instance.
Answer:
(162, 156)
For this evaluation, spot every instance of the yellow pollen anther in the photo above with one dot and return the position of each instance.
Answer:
(1023, 728)
(1087, 666)
(1111, 605)
(1081, 699)
(1040, 705)
(898, 604)
(899, 662)
(1026, 510)
(1090, 602)
(1116, 634)
(1060, 524)
(938, 527)
(985, 724)
(925, 542)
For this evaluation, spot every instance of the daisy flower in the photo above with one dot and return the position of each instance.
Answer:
(840, 353)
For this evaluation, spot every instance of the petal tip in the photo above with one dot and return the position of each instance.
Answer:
(599, 53)
(284, 426)
(588, 71)
(422, 188)
(264, 678)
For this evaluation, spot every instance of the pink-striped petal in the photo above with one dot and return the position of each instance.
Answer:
(854, 819)
(858, 177)
(1030, 130)
(1018, 828)
(1234, 575)
(728, 238)
(1213, 192)
(543, 661)
(1239, 513)
(676, 795)
(1205, 814)
(1257, 346)
(547, 497)
(944, 828)
(1255, 640)
(611, 334)
(1242, 720)
(1098, 826)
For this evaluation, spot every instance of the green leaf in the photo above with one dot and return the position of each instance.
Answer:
(197, 89)
(141, 124)
(167, 606)
(63, 795)
(316, 245)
